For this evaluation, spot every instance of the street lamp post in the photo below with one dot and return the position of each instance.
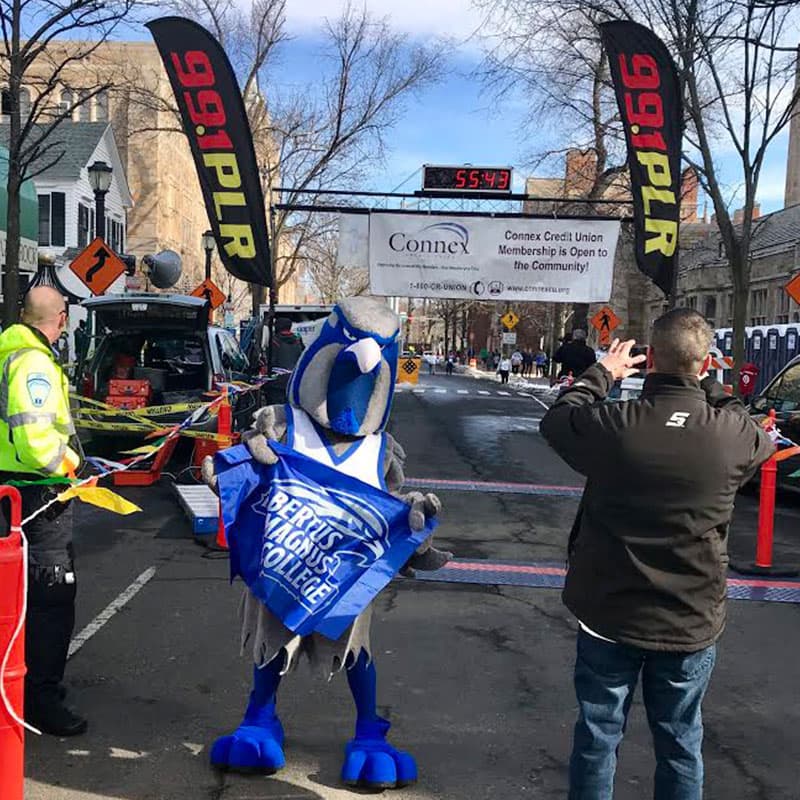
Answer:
(209, 243)
(100, 175)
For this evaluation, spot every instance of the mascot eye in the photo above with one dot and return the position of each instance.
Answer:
(349, 336)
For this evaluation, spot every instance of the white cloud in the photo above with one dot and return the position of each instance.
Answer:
(454, 18)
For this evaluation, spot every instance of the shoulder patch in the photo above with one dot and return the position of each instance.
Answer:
(38, 388)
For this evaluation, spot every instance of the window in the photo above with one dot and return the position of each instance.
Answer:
(710, 309)
(24, 103)
(114, 235)
(84, 108)
(58, 219)
(691, 301)
(758, 306)
(101, 109)
(52, 219)
(66, 102)
(785, 394)
(720, 249)
(5, 102)
(783, 306)
(44, 219)
(83, 225)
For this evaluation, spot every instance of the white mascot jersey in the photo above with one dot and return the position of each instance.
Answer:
(363, 460)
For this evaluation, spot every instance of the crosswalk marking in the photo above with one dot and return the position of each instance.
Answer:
(405, 389)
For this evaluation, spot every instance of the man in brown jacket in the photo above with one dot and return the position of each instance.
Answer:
(648, 551)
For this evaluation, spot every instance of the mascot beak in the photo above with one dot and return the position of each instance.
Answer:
(367, 352)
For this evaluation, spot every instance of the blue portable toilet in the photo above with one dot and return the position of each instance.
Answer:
(772, 355)
(726, 345)
(791, 342)
(756, 354)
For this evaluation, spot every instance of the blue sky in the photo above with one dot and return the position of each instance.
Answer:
(456, 121)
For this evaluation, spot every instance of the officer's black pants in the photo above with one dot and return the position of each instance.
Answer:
(48, 630)
(51, 595)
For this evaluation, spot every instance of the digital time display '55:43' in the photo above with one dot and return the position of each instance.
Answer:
(466, 179)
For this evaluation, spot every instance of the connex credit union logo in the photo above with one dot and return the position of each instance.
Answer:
(443, 238)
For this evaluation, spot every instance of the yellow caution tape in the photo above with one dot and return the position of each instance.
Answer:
(135, 427)
(147, 411)
(208, 436)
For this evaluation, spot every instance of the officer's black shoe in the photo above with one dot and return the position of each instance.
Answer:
(56, 720)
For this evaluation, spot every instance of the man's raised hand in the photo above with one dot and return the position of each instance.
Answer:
(619, 361)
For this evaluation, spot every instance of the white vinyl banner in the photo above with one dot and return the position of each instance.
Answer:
(353, 241)
(554, 260)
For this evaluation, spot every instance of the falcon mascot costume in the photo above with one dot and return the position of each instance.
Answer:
(339, 399)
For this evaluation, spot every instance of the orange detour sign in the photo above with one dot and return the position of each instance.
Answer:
(97, 266)
(211, 292)
(793, 288)
(605, 320)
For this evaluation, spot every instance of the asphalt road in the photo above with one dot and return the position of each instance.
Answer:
(476, 679)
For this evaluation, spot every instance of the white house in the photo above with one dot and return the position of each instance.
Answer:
(66, 200)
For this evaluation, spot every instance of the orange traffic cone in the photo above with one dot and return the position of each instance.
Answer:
(222, 539)
(224, 427)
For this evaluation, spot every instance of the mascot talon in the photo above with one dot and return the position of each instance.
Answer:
(250, 749)
(257, 744)
(371, 762)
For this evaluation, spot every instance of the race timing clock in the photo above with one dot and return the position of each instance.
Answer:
(467, 179)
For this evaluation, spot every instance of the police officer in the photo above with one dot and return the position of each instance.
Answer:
(35, 427)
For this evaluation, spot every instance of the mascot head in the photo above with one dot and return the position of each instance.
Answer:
(345, 379)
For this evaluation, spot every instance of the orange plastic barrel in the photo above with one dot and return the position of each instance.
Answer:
(12, 735)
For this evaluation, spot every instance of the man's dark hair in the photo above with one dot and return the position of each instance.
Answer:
(680, 341)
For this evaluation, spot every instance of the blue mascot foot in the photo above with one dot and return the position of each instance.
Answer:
(371, 762)
(251, 748)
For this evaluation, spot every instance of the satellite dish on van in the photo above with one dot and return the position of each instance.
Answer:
(163, 269)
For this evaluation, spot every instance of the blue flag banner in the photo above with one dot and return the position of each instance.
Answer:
(314, 545)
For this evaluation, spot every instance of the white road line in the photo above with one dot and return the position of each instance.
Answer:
(418, 391)
(504, 394)
(543, 405)
(463, 391)
(524, 394)
(440, 391)
(109, 611)
(482, 392)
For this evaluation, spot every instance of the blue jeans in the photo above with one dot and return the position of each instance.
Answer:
(673, 686)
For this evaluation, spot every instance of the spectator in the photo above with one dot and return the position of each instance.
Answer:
(574, 355)
(648, 550)
(527, 363)
(503, 368)
(516, 362)
(81, 341)
(450, 364)
(541, 360)
(287, 347)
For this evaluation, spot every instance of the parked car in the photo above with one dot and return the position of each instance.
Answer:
(161, 348)
(782, 393)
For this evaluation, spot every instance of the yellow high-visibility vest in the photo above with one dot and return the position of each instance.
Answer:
(35, 421)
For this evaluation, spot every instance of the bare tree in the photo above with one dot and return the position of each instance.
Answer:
(331, 280)
(737, 62)
(335, 136)
(331, 134)
(32, 68)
